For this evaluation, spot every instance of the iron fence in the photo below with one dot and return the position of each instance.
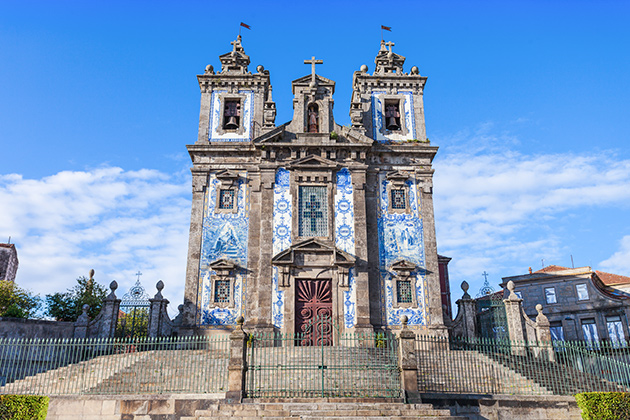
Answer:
(487, 366)
(293, 365)
(114, 366)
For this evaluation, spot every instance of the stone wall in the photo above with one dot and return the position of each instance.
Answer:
(35, 328)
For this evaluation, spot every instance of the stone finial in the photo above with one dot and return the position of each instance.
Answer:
(404, 320)
(86, 308)
(511, 288)
(465, 286)
(92, 274)
(159, 286)
(530, 270)
(239, 322)
(415, 70)
(364, 68)
(209, 69)
(541, 319)
(113, 286)
(84, 318)
(260, 68)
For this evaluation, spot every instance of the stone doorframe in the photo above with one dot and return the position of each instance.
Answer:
(313, 259)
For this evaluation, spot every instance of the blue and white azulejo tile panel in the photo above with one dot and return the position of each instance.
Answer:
(216, 119)
(378, 116)
(282, 222)
(400, 237)
(344, 238)
(224, 236)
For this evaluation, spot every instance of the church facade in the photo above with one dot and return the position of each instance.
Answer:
(311, 219)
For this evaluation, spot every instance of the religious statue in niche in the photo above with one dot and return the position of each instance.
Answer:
(392, 116)
(313, 119)
(231, 115)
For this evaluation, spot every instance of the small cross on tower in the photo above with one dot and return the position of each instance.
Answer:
(390, 45)
(312, 62)
(485, 275)
(138, 274)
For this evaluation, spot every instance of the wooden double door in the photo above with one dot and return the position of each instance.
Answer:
(313, 312)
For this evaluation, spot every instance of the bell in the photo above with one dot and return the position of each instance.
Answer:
(231, 124)
(392, 124)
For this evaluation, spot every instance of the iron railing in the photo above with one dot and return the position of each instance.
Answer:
(487, 366)
(114, 366)
(290, 366)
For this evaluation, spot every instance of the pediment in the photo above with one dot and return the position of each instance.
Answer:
(273, 136)
(222, 264)
(313, 162)
(306, 80)
(403, 266)
(227, 174)
(313, 246)
(397, 176)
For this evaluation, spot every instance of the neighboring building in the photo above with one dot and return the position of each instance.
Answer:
(581, 304)
(8, 262)
(309, 217)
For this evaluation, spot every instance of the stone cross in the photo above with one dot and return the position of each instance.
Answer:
(312, 62)
(390, 45)
(485, 275)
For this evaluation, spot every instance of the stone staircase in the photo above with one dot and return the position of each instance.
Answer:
(315, 410)
(158, 371)
(467, 371)
(328, 372)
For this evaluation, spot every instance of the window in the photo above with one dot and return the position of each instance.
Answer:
(232, 114)
(550, 295)
(615, 330)
(222, 291)
(404, 291)
(582, 291)
(313, 211)
(226, 199)
(392, 115)
(589, 330)
(398, 199)
(557, 333)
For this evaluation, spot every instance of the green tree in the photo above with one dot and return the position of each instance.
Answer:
(16, 302)
(68, 306)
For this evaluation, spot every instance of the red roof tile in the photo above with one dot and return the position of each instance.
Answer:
(552, 268)
(609, 279)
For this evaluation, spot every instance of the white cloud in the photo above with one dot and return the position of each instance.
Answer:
(112, 220)
(619, 262)
(500, 211)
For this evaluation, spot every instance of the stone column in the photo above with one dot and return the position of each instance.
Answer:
(361, 274)
(237, 365)
(543, 335)
(468, 308)
(158, 306)
(408, 363)
(513, 314)
(436, 319)
(262, 295)
(191, 306)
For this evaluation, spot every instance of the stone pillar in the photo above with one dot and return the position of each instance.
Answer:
(261, 296)
(157, 308)
(408, 363)
(81, 325)
(543, 335)
(191, 306)
(513, 314)
(237, 365)
(104, 325)
(467, 307)
(361, 274)
(436, 319)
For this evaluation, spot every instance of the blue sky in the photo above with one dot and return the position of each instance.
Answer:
(528, 101)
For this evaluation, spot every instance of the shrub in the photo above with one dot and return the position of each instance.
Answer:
(604, 405)
(23, 407)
